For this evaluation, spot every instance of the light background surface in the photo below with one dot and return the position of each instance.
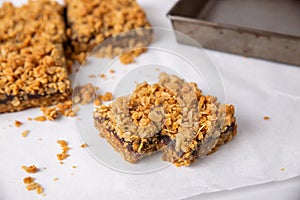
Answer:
(256, 87)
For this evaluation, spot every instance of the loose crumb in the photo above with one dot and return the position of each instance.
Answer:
(64, 147)
(51, 113)
(28, 180)
(107, 96)
(40, 139)
(25, 133)
(282, 169)
(30, 169)
(39, 190)
(18, 123)
(55, 179)
(112, 71)
(102, 76)
(29, 118)
(266, 118)
(74, 166)
(40, 118)
(84, 145)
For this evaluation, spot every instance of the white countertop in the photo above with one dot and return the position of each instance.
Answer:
(87, 180)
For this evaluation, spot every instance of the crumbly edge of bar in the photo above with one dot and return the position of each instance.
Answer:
(129, 156)
(31, 103)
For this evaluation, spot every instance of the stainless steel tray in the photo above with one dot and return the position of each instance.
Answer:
(268, 29)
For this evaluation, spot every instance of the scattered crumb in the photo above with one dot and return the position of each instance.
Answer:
(25, 133)
(61, 162)
(30, 169)
(74, 166)
(51, 113)
(97, 102)
(40, 139)
(266, 118)
(44, 168)
(31, 185)
(84, 145)
(55, 179)
(64, 147)
(40, 118)
(28, 180)
(96, 89)
(107, 96)
(112, 71)
(84, 94)
(39, 190)
(18, 123)
(157, 69)
(29, 118)
(282, 169)
(92, 76)
(102, 76)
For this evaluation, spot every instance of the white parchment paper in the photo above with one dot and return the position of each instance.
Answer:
(263, 150)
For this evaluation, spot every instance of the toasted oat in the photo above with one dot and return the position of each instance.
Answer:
(40, 118)
(266, 118)
(25, 133)
(39, 190)
(50, 113)
(102, 76)
(30, 169)
(84, 145)
(28, 180)
(18, 123)
(107, 96)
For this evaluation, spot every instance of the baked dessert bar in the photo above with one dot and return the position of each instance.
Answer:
(172, 116)
(92, 21)
(32, 62)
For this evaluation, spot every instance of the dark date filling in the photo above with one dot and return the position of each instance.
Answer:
(4, 98)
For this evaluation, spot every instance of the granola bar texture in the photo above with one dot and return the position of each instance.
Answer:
(32, 62)
(92, 21)
(172, 116)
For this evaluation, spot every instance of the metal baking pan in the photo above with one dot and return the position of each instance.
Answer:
(268, 29)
